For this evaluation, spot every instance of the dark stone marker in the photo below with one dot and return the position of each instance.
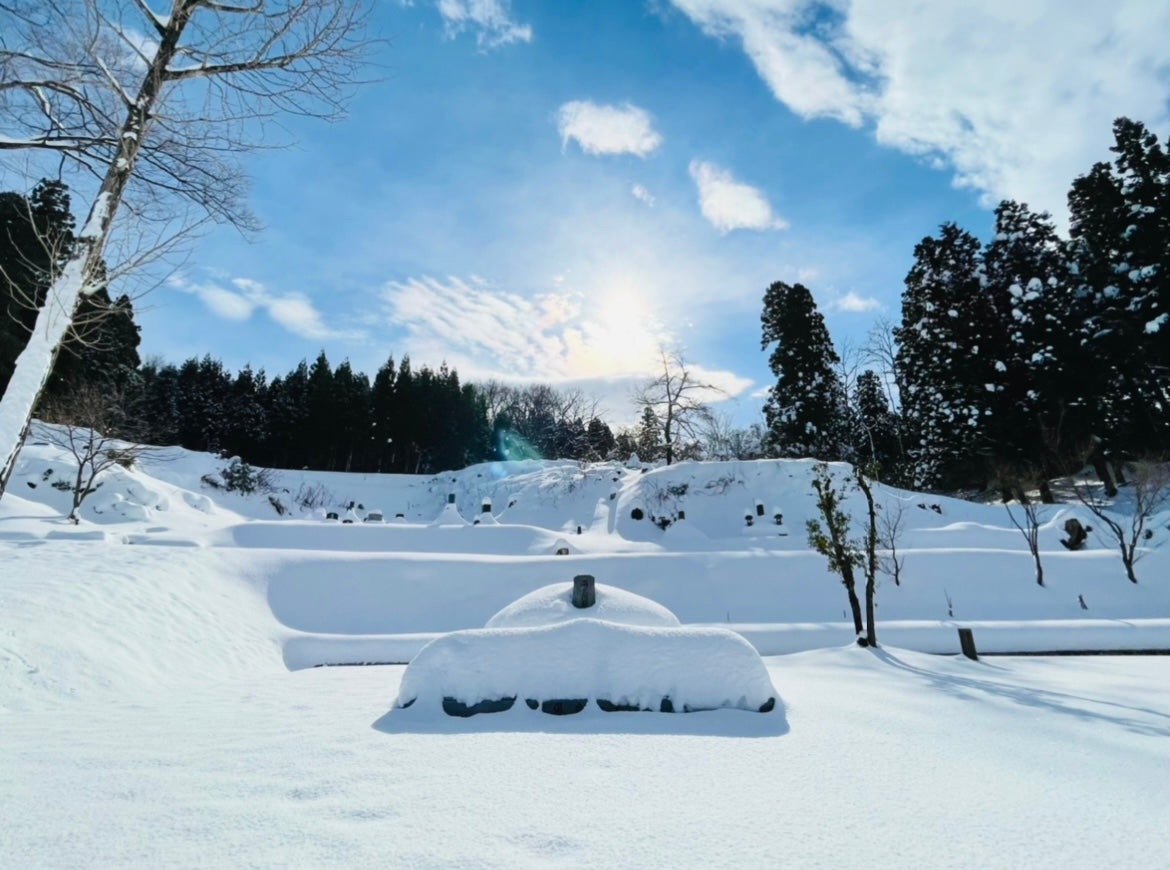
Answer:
(759, 509)
(455, 707)
(450, 498)
(332, 515)
(967, 644)
(584, 591)
(563, 706)
(532, 703)
(667, 706)
(487, 508)
(611, 707)
(682, 515)
(1077, 534)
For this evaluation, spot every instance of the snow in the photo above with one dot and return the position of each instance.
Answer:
(1156, 324)
(553, 604)
(696, 668)
(160, 704)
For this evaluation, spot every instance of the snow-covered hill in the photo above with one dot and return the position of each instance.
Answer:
(193, 560)
(158, 706)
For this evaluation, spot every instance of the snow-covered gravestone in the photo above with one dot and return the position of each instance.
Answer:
(449, 515)
(558, 650)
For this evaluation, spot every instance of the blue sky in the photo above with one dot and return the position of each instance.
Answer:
(547, 190)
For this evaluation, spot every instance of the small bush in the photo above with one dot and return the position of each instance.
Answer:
(124, 458)
(239, 477)
(243, 478)
(313, 497)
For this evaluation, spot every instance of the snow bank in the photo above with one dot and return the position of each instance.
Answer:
(553, 604)
(695, 668)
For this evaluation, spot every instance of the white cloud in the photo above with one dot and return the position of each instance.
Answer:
(490, 19)
(486, 332)
(222, 303)
(852, 302)
(643, 194)
(293, 311)
(1015, 97)
(729, 204)
(624, 129)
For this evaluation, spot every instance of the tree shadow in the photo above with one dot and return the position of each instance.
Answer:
(1076, 706)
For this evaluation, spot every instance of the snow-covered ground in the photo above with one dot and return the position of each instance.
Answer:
(158, 704)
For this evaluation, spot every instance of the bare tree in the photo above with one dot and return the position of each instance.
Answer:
(1150, 491)
(679, 400)
(1031, 517)
(881, 352)
(891, 524)
(828, 534)
(869, 565)
(1028, 515)
(153, 109)
(86, 417)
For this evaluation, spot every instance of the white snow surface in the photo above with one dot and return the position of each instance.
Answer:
(554, 603)
(159, 705)
(697, 668)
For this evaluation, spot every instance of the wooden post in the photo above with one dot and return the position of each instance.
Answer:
(967, 644)
(584, 591)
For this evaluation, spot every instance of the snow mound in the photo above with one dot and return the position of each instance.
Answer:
(553, 604)
(449, 516)
(670, 669)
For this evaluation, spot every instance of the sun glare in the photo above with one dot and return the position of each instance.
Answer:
(625, 334)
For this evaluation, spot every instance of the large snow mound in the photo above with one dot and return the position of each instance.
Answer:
(695, 668)
(553, 604)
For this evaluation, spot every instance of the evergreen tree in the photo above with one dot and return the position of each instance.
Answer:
(36, 236)
(351, 430)
(318, 432)
(1120, 226)
(876, 443)
(246, 423)
(600, 439)
(946, 361)
(1038, 359)
(806, 411)
(648, 436)
(204, 395)
(383, 411)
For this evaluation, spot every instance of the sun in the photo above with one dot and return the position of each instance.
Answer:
(625, 333)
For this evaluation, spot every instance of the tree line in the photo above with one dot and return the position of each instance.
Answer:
(1015, 360)
(405, 420)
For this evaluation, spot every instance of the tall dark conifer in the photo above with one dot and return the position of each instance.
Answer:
(946, 361)
(806, 411)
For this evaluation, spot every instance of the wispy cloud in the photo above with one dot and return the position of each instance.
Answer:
(491, 21)
(1015, 98)
(487, 332)
(643, 194)
(599, 129)
(728, 204)
(294, 312)
(852, 302)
